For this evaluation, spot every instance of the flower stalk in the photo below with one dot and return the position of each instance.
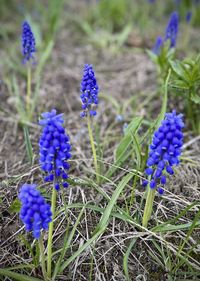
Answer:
(28, 94)
(93, 148)
(42, 258)
(50, 235)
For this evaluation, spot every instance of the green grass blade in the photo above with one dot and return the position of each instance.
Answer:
(169, 225)
(29, 149)
(103, 223)
(192, 227)
(67, 242)
(161, 115)
(123, 150)
(80, 250)
(19, 104)
(125, 259)
(127, 139)
(18, 276)
(106, 215)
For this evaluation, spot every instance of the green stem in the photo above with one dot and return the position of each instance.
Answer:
(50, 236)
(148, 206)
(28, 94)
(93, 148)
(42, 256)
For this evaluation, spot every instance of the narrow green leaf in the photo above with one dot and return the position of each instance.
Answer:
(67, 243)
(124, 150)
(103, 223)
(127, 139)
(28, 144)
(106, 215)
(137, 148)
(195, 98)
(80, 250)
(18, 276)
(170, 224)
(152, 56)
(161, 115)
(126, 256)
(19, 104)
(177, 67)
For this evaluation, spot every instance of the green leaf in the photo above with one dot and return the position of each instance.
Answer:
(67, 243)
(127, 139)
(106, 215)
(124, 149)
(170, 224)
(152, 56)
(178, 68)
(17, 276)
(19, 103)
(138, 150)
(195, 98)
(29, 149)
(103, 223)
(126, 256)
(15, 206)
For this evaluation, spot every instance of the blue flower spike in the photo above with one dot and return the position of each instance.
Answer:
(157, 47)
(89, 92)
(35, 213)
(171, 32)
(164, 150)
(28, 42)
(54, 149)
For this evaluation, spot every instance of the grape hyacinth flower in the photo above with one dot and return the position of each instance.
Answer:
(89, 92)
(54, 149)
(158, 44)
(164, 154)
(165, 150)
(172, 29)
(28, 42)
(35, 212)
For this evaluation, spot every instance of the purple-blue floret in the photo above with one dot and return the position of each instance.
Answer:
(165, 150)
(89, 92)
(54, 149)
(171, 32)
(28, 42)
(35, 213)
